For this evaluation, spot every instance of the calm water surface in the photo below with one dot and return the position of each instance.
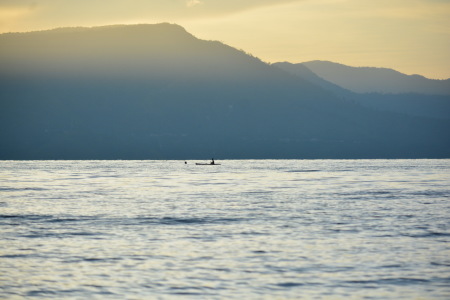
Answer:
(250, 229)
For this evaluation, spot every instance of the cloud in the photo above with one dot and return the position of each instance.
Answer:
(46, 14)
(192, 3)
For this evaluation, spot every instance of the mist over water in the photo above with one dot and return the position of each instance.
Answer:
(253, 229)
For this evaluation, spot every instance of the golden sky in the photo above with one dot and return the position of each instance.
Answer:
(411, 36)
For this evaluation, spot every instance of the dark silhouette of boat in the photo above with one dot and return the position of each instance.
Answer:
(212, 163)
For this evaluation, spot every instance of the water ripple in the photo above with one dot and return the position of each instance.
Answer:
(288, 229)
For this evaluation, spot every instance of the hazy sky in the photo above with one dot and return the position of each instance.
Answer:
(411, 36)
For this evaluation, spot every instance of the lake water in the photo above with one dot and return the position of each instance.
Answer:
(248, 229)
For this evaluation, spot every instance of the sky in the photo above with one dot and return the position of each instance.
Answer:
(411, 36)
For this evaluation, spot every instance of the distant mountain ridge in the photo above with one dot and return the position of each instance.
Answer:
(408, 103)
(302, 71)
(158, 92)
(377, 80)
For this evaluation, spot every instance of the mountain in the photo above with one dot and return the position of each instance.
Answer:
(157, 92)
(377, 80)
(302, 71)
(408, 103)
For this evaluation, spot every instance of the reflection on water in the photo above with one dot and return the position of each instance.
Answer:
(251, 229)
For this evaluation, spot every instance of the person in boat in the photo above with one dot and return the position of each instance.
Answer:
(212, 161)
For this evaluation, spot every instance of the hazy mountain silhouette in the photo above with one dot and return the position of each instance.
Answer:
(302, 71)
(377, 80)
(157, 92)
(414, 104)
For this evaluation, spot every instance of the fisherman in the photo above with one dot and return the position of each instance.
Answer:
(212, 161)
